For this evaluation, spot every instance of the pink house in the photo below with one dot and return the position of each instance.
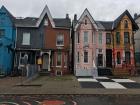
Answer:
(89, 44)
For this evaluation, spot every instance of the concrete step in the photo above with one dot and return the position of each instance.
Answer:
(44, 73)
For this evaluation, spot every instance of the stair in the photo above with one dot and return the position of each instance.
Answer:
(44, 72)
(104, 72)
(121, 72)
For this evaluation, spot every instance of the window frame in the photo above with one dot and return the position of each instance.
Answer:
(118, 58)
(108, 37)
(128, 61)
(100, 39)
(57, 40)
(86, 57)
(86, 36)
(57, 65)
(2, 31)
(118, 38)
(128, 38)
(23, 38)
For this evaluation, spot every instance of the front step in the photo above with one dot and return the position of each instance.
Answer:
(44, 73)
(121, 72)
(104, 72)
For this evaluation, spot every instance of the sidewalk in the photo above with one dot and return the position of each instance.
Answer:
(56, 85)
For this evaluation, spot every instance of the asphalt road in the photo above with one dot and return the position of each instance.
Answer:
(70, 100)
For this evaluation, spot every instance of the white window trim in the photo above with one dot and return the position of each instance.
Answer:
(63, 40)
(26, 33)
(87, 37)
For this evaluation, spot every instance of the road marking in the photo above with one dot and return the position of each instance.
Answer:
(9, 103)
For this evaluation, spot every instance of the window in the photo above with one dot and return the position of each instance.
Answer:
(46, 22)
(59, 58)
(118, 58)
(85, 22)
(126, 37)
(2, 32)
(108, 38)
(26, 39)
(118, 37)
(78, 57)
(60, 40)
(78, 37)
(100, 38)
(125, 24)
(127, 57)
(85, 38)
(85, 57)
(65, 59)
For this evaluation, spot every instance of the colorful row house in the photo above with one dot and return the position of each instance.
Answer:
(50, 45)
(137, 41)
(45, 41)
(108, 44)
(7, 41)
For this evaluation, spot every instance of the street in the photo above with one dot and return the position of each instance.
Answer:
(69, 100)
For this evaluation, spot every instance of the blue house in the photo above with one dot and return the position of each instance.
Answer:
(7, 41)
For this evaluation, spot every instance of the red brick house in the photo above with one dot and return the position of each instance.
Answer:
(56, 50)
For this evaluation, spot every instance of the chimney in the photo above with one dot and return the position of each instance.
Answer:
(67, 16)
(135, 15)
(75, 17)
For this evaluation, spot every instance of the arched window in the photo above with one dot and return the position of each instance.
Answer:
(125, 24)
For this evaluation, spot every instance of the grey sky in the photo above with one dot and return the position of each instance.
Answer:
(100, 9)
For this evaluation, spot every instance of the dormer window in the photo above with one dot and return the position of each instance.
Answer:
(125, 24)
(46, 22)
(85, 22)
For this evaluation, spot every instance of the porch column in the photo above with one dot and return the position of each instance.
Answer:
(49, 69)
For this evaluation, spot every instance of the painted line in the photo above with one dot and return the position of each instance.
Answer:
(74, 103)
(9, 103)
(26, 103)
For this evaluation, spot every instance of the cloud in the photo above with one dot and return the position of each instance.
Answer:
(100, 9)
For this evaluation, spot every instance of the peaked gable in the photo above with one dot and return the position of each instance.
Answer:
(117, 21)
(45, 11)
(86, 13)
(3, 9)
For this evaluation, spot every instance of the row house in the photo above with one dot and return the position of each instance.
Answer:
(7, 41)
(88, 44)
(45, 42)
(108, 44)
(137, 41)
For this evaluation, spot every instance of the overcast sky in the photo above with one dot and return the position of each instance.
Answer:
(100, 9)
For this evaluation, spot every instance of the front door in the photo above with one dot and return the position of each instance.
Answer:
(108, 58)
(45, 62)
(100, 59)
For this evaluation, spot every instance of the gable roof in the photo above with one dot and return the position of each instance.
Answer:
(62, 22)
(44, 12)
(86, 13)
(26, 22)
(8, 13)
(117, 21)
(107, 25)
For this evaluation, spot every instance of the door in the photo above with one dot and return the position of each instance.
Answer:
(100, 59)
(108, 58)
(45, 62)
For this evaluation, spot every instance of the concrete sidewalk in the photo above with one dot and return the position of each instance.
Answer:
(55, 85)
